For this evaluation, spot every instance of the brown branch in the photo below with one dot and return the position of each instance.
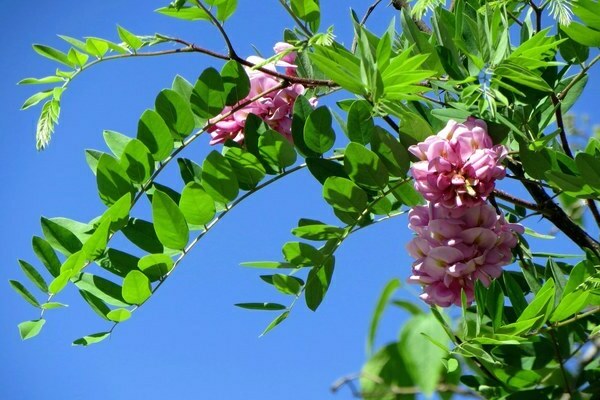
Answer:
(403, 5)
(217, 23)
(515, 200)
(555, 214)
(291, 79)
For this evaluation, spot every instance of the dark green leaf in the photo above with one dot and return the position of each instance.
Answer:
(34, 276)
(102, 288)
(155, 134)
(317, 283)
(302, 109)
(218, 178)
(322, 169)
(318, 133)
(248, 169)
(275, 150)
(360, 122)
(318, 232)
(208, 97)
(236, 83)
(391, 152)
(364, 167)
(382, 303)
(261, 306)
(176, 112)
(155, 266)
(53, 54)
(189, 170)
(143, 235)
(275, 322)
(196, 205)
(344, 195)
(91, 339)
(59, 238)
(112, 180)
(24, 293)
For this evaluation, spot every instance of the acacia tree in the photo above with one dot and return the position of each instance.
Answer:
(462, 95)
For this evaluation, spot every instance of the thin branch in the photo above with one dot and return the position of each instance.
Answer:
(287, 78)
(515, 200)
(577, 78)
(363, 21)
(287, 8)
(217, 23)
(403, 5)
(567, 385)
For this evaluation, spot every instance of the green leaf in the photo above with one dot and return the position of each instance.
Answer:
(59, 238)
(116, 142)
(495, 304)
(118, 213)
(137, 162)
(169, 222)
(189, 171)
(102, 288)
(218, 178)
(317, 283)
(267, 265)
(136, 288)
(77, 58)
(514, 293)
(129, 38)
(36, 98)
(24, 293)
(112, 180)
(541, 305)
(287, 284)
(155, 134)
(91, 339)
(176, 112)
(29, 329)
(143, 235)
(391, 152)
(236, 84)
(391, 371)
(92, 157)
(53, 305)
(302, 254)
(185, 13)
(97, 305)
(318, 133)
(155, 266)
(225, 8)
(248, 169)
(119, 315)
(344, 195)
(208, 97)
(53, 54)
(34, 276)
(571, 304)
(319, 232)
(384, 299)
(302, 109)
(364, 167)
(275, 322)
(407, 194)
(74, 263)
(360, 122)
(94, 247)
(582, 34)
(322, 169)
(423, 358)
(306, 10)
(40, 81)
(261, 306)
(196, 205)
(276, 150)
(118, 262)
(340, 66)
(60, 282)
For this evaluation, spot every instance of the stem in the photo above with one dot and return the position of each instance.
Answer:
(363, 22)
(560, 360)
(577, 78)
(515, 200)
(217, 23)
(287, 8)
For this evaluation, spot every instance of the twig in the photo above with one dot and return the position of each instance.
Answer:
(363, 22)
(515, 200)
(560, 360)
(577, 78)
(291, 13)
(217, 23)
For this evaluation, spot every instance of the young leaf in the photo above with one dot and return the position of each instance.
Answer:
(275, 322)
(53, 54)
(59, 238)
(155, 266)
(136, 288)
(382, 303)
(261, 306)
(129, 38)
(119, 315)
(91, 339)
(29, 329)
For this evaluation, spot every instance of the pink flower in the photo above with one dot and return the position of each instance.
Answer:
(459, 165)
(275, 108)
(454, 248)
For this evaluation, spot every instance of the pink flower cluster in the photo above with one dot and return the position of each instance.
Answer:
(460, 238)
(274, 108)
(459, 165)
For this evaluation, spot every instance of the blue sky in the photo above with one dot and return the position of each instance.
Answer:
(189, 341)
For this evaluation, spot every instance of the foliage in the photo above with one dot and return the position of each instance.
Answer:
(525, 332)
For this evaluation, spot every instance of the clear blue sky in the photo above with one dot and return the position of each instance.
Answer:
(189, 341)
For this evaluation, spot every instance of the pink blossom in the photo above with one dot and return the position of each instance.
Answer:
(275, 108)
(459, 165)
(454, 248)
